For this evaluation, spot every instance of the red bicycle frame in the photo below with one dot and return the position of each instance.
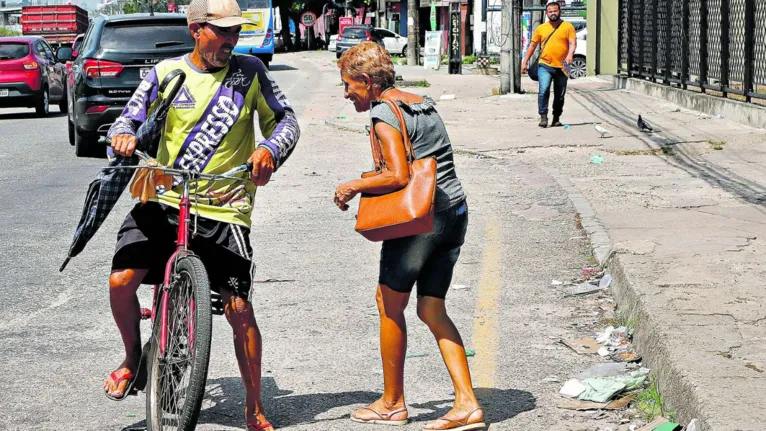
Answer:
(182, 248)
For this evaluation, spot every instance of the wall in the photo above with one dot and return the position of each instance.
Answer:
(609, 36)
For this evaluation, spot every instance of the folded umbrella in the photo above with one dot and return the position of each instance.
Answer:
(104, 192)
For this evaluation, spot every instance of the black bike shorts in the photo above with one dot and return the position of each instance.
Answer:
(147, 239)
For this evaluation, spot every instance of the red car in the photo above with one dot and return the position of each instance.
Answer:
(30, 75)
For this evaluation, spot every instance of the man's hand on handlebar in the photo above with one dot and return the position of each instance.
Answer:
(124, 145)
(263, 166)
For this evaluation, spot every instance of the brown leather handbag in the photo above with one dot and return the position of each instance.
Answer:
(405, 212)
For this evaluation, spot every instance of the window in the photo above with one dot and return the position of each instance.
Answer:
(39, 48)
(385, 33)
(354, 33)
(48, 50)
(13, 50)
(147, 36)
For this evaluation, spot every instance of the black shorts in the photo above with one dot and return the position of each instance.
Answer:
(428, 258)
(147, 239)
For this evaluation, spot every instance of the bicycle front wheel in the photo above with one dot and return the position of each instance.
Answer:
(176, 385)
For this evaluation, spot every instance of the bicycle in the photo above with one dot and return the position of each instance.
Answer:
(181, 316)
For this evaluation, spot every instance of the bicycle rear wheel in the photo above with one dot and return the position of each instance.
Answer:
(176, 385)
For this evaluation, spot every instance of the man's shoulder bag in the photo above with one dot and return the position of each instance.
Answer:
(533, 68)
(405, 212)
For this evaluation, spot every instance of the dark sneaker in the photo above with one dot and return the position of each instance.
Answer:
(556, 122)
(543, 121)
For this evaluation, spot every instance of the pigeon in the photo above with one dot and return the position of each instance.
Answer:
(643, 125)
(602, 130)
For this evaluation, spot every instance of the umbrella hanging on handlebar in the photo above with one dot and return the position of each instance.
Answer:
(106, 189)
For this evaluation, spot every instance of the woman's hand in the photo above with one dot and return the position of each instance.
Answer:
(344, 193)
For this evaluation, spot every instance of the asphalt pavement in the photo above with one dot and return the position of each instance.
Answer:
(315, 295)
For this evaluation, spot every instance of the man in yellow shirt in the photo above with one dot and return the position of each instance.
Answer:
(559, 41)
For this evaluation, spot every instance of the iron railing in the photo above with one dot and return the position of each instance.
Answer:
(711, 45)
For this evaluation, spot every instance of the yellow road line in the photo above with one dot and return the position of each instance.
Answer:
(486, 315)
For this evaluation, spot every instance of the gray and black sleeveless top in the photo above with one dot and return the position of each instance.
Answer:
(429, 139)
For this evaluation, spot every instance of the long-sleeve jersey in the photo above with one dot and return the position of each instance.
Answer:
(210, 128)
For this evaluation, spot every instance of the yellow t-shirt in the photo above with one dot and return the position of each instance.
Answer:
(210, 129)
(556, 47)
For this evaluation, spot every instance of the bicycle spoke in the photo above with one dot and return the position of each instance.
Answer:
(176, 368)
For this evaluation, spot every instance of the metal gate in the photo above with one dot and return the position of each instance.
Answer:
(713, 46)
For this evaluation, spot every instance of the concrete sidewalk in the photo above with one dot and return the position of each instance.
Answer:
(677, 216)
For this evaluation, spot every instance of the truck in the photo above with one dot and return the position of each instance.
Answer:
(58, 24)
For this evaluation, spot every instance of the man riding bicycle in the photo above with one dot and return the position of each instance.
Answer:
(210, 129)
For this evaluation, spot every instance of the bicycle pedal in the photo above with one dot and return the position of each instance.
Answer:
(146, 314)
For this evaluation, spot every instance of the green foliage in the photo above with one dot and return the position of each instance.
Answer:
(5, 32)
(469, 59)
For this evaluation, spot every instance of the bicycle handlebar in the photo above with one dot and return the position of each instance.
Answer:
(190, 175)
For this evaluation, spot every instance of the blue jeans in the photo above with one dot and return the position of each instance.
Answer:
(547, 76)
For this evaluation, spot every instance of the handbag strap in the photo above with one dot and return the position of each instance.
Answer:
(377, 149)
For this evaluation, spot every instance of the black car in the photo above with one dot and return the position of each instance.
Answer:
(117, 53)
(354, 34)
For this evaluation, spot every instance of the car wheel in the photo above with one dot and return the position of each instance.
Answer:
(71, 132)
(266, 63)
(42, 107)
(85, 144)
(404, 51)
(578, 67)
(338, 55)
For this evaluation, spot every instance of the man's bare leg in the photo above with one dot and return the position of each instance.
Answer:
(123, 285)
(248, 348)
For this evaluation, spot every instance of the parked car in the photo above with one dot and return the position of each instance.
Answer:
(117, 52)
(394, 43)
(31, 76)
(354, 34)
(579, 68)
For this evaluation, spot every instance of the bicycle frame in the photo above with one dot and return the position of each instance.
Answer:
(182, 248)
(161, 294)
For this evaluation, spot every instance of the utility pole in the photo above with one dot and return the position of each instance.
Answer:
(516, 44)
(413, 39)
(505, 48)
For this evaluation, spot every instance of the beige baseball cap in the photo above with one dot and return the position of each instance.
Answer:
(221, 13)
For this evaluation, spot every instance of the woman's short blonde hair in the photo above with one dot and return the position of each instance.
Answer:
(369, 58)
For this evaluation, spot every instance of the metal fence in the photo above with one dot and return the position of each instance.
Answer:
(711, 45)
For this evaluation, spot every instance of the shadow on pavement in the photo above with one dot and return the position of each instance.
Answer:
(498, 405)
(695, 165)
(224, 405)
(280, 68)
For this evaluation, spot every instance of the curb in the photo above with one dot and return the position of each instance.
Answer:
(597, 234)
(649, 338)
(345, 127)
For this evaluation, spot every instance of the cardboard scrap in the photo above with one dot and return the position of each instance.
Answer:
(584, 346)
(581, 405)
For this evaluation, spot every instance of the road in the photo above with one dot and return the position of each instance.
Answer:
(321, 360)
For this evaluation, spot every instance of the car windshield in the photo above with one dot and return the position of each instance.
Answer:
(147, 36)
(355, 32)
(77, 43)
(253, 4)
(13, 50)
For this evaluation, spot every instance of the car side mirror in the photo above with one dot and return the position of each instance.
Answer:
(64, 54)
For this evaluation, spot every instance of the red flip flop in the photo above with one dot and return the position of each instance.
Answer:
(259, 426)
(117, 380)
